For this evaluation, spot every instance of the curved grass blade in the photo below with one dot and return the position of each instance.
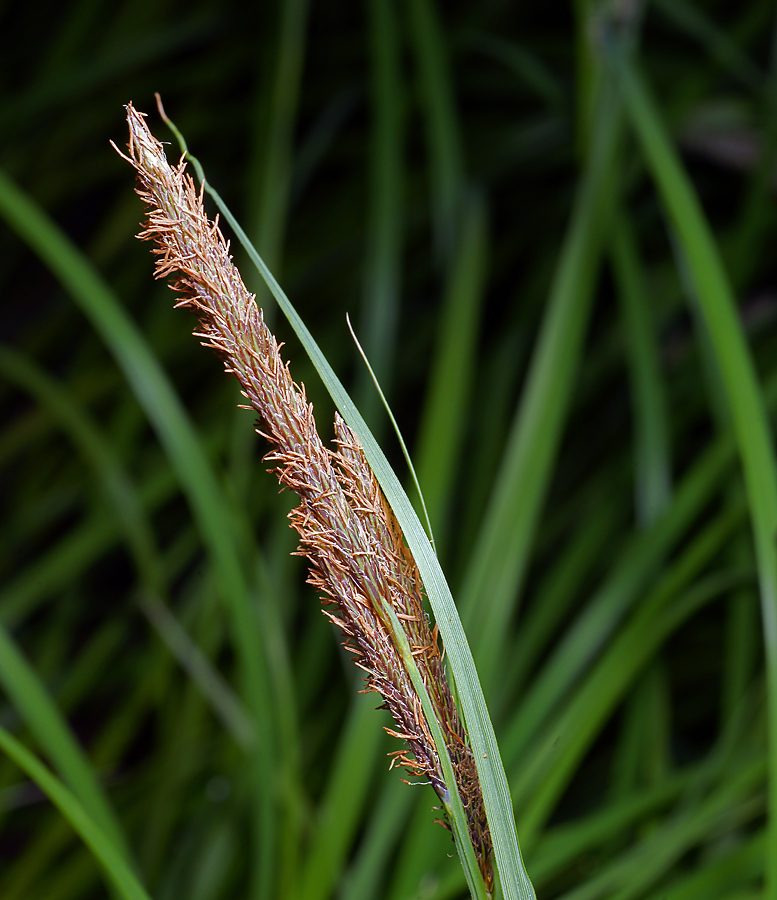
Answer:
(23, 686)
(718, 310)
(443, 420)
(187, 456)
(504, 542)
(386, 195)
(104, 850)
(443, 135)
(652, 462)
(496, 793)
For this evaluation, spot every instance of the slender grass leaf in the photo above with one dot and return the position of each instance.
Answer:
(718, 309)
(118, 872)
(210, 508)
(512, 874)
(382, 267)
(501, 553)
(446, 156)
(22, 684)
(651, 430)
(442, 427)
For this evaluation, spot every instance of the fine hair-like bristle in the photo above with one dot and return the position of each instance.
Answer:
(347, 530)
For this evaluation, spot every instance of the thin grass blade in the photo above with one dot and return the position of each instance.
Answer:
(496, 794)
(104, 849)
(718, 309)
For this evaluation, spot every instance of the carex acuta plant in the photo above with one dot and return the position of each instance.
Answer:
(369, 582)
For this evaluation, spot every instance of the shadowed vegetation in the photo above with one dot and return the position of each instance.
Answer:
(553, 232)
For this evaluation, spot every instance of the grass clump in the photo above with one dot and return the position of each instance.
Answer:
(554, 239)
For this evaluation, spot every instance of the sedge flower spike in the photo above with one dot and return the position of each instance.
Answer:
(348, 533)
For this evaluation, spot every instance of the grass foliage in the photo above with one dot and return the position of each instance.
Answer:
(553, 233)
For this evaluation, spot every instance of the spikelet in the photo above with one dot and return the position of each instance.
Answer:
(347, 530)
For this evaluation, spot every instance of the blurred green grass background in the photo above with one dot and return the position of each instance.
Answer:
(503, 200)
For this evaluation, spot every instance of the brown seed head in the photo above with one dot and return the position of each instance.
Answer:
(347, 531)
